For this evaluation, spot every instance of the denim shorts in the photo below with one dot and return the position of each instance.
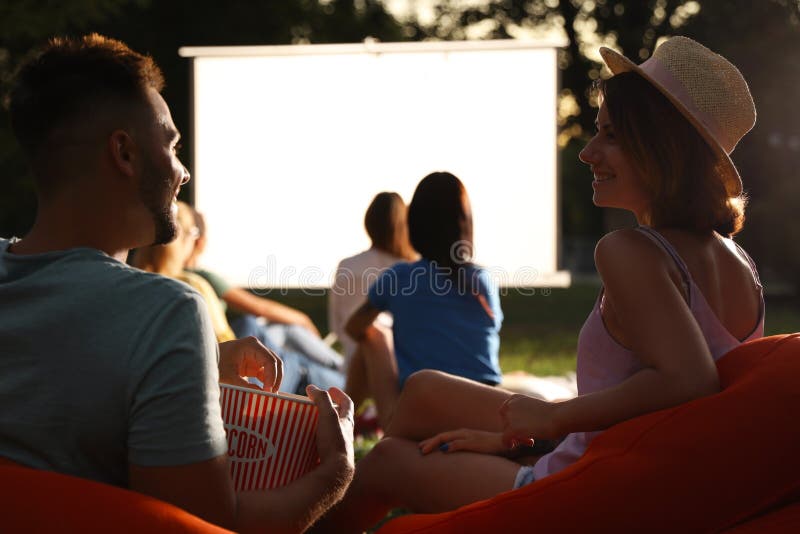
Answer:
(524, 476)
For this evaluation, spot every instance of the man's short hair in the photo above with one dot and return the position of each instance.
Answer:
(68, 78)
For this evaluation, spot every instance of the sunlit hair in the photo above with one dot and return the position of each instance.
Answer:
(385, 222)
(66, 81)
(150, 258)
(156, 258)
(440, 221)
(676, 165)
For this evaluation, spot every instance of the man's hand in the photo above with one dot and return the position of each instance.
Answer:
(248, 357)
(296, 506)
(335, 431)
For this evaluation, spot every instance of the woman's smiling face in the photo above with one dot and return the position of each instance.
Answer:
(616, 183)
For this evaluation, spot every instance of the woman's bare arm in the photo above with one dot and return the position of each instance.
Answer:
(660, 330)
(361, 319)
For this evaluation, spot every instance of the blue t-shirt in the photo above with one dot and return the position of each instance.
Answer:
(440, 322)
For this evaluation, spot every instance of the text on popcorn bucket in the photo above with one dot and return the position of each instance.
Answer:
(244, 445)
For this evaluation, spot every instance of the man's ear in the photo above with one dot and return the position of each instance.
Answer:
(122, 149)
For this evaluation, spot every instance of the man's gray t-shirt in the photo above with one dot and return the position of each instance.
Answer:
(102, 366)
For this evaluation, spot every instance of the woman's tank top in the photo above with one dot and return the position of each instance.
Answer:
(603, 362)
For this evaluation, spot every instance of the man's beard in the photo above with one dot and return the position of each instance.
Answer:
(154, 192)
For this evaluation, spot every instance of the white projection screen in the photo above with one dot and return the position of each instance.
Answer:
(291, 143)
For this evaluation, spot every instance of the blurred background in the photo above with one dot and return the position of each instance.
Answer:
(761, 37)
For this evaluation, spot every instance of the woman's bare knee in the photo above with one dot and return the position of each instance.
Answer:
(420, 392)
(421, 382)
(425, 387)
(419, 388)
(433, 401)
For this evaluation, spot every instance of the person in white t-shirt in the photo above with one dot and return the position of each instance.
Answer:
(385, 223)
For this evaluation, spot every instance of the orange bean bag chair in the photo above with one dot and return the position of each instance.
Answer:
(43, 501)
(728, 461)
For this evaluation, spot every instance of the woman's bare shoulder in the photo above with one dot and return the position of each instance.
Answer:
(627, 249)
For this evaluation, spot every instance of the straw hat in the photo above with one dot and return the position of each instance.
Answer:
(706, 88)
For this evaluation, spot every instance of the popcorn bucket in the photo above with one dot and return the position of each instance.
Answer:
(270, 436)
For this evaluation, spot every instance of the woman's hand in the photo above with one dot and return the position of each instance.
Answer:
(526, 417)
(465, 439)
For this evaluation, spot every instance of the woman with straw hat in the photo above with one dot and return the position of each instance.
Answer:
(677, 295)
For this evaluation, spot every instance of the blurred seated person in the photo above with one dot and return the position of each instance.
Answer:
(169, 260)
(446, 309)
(385, 223)
(279, 327)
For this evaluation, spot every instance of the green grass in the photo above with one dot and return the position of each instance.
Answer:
(540, 329)
(363, 444)
(531, 359)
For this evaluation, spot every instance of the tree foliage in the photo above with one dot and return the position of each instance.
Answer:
(762, 38)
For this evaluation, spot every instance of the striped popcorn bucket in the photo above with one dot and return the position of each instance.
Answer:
(270, 436)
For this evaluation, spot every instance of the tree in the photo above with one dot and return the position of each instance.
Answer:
(761, 38)
(632, 27)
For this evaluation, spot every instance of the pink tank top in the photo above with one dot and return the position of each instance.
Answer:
(603, 362)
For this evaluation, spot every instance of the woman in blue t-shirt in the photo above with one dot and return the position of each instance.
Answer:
(446, 309)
